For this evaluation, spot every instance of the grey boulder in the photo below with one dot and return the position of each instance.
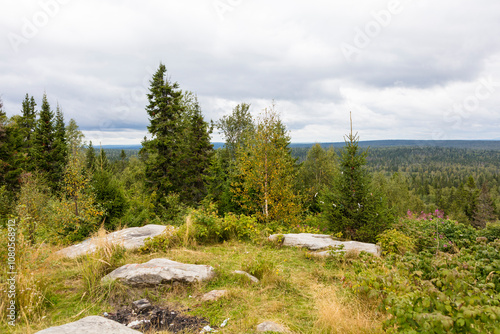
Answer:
(321, 241)
(130, 238)
(269, 326)
(90, 325)
(160, 271)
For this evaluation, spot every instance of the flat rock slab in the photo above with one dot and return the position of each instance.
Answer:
(130, 238)
(213, 295)
(321, 241)
(250, 277)
(90, 325)
(160, 271)
(269, 326)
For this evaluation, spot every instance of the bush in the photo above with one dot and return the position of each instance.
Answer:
(435, 233)
(160, 243)
(491, 231)
(395, 242)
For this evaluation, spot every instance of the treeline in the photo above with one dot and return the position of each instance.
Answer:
(62, 190)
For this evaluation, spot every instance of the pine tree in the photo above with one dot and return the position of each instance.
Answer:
(353, 207)
(163, 152)
(12, 157)
(266, 171)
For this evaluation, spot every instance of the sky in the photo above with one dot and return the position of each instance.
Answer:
(406, 69)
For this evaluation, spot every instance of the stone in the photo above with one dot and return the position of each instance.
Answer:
(252, 278)
(160, 271)
(321, 241)
(90, 325)
(213, 295)
(142, 305)
(269, 326)
(130, 238)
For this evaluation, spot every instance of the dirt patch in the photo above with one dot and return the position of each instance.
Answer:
(159, 318)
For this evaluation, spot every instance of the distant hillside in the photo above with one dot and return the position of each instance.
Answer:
(300, 149)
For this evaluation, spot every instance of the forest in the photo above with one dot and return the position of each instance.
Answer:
(61, 190)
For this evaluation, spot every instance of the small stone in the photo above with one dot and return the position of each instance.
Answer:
(252, 278)
(269, 326)
(142, 305)
(213, 295)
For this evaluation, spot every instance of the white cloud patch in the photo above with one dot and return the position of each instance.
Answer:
(415, 74)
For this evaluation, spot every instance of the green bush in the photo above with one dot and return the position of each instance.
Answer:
(491, 231)
(160, 243)
(395, 242)
(437, 234)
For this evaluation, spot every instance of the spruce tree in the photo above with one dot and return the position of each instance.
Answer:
(197, 152)
(164, 151)
(28, 124)
(43, 143)
(90, 158)
(60, 151)
(353, 207)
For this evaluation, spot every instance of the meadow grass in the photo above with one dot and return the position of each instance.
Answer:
(299, 292)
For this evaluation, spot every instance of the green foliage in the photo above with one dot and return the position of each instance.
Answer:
(235, 128)
(110, 196)
(265, 174)
(395, 242)
(160, 243)
(316, 174)
(353, 206)
(208, 227)
(434, 233)
(491, 231)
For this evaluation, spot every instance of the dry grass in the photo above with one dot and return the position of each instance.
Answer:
(339, 313)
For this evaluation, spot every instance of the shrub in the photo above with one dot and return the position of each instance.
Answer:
(491, 231)
(430, 232)
(167, 239)
(395, 242)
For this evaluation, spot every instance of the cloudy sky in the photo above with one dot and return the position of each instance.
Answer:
(406, 69)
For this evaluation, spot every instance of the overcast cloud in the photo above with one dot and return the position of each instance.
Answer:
(406, 69)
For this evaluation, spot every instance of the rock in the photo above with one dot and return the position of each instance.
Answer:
(130, 238)
(269, 326)
(320, 241)
(141, 305)
(252, 278)
(90, 325)
(213, 295)
(160, 271)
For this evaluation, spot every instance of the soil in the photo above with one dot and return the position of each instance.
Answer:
(160, 318)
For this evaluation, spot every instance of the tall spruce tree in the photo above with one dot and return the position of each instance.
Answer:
(353, 207)
(28, 125)
(197, 153)
(42, 150)
(60, 151)
(164, 151)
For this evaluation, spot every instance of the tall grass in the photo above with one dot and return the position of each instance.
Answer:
(94, 266)
(341, 314)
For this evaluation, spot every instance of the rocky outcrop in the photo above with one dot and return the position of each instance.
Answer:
(322, 241)
(90, 325)
(130, 238)
(160, 271)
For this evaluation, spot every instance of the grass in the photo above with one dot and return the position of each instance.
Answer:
(301, 293)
